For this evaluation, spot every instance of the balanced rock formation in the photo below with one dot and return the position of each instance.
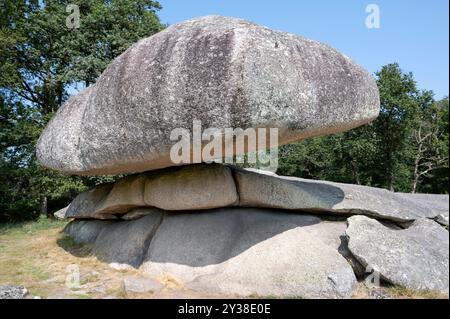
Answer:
(224, 72)
(219, 228)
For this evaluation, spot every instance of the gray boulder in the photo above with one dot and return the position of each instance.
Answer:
(436, 203)
(234, 251)
(61, 214)
(225, 72)
(416, 258)
(85, 232)
(250, 252)
(12, 292)
(126, 242)
(332, 233)
(182, 188)
(292, 193)
(85, 204)
(126, 193)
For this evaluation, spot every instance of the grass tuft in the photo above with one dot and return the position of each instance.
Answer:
(31, 227)
(401, 292)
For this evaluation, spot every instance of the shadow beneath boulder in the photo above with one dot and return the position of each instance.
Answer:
(212, 237)
(71, 246)
(193, 239)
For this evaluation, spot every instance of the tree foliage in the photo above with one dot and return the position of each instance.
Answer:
(42, 62)
(405, 149)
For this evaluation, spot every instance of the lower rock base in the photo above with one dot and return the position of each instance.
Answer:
(262, 252)
(233, 251)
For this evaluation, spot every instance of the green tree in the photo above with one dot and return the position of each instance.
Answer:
(357, 155)
(310, 158)
(399, 108)
(405, 149)
(429, 142)
(42, 62)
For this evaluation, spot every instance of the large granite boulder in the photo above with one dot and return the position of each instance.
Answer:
(436, 204)
(224, 72)
(236, 251)
(416, 258)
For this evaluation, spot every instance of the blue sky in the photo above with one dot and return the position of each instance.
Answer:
(413, 33)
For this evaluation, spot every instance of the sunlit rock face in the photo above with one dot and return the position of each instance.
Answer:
(224, 72)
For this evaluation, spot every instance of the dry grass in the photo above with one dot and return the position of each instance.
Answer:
(37, 255)
(394, 292)
(403, 293)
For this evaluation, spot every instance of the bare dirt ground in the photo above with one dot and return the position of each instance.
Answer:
(38, 256)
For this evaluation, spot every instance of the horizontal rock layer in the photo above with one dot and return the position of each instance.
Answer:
(224, 72)
(197, 187)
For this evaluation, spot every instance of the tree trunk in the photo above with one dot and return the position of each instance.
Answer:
(389, 168)
(355, 173)
(390, 182)
(414, 187)
(416, 175)
(44, 208)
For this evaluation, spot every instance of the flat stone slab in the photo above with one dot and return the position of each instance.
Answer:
(233, 251)
(86, 204)
(139, 213)
(438, 205)
(292, 193)
(228, 72)
(202, 187)
(191, 187)
(416, 258)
